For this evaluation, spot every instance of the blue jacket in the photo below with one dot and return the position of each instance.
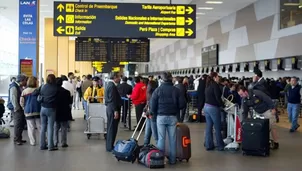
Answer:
(167, 100)
(10, 104)
(30, 103)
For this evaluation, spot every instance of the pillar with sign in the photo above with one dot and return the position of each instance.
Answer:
(29, 37)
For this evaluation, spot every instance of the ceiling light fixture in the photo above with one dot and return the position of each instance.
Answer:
(291, 4)
(214, 2)
(3, 8)
(200, 13)
(205, 8)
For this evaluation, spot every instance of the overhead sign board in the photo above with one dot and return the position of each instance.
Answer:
(84, 19)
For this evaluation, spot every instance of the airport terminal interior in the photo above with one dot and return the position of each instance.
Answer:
(239, 39)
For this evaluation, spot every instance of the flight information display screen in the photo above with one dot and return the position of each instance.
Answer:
(113, 49)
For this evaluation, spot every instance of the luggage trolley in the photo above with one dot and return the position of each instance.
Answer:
(96, 119)
(233, 127)
(192, 103)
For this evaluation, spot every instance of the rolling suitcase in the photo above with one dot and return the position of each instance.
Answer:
(255, 137)
(183, 143)
(128, 150)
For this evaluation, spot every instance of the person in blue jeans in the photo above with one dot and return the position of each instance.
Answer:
(165, 104)
(151, 129)
(48, 99)
(212, 109)
(293, 106)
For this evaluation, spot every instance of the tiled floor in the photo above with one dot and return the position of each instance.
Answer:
(90, 155)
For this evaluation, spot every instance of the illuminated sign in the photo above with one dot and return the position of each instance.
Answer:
(124, 20)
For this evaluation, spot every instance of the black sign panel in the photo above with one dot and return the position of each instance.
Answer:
(91, 49)
(210, 55)
(112, 49)
(124, 20)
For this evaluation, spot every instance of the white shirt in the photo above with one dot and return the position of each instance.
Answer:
(68, 86)
(196, 83)
(78, 85)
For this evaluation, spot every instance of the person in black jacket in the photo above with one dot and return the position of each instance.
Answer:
(48, 95)
(63, 114)
(113, 104)
(183, 91)
(212, 109)
(125, 89)
(165, 104)
(201, 96)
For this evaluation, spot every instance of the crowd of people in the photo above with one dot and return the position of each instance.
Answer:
(161, 101)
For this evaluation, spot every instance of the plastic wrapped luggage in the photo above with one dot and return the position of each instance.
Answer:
(128, 150)
(255, 137)
(151, 157)
(183, 143)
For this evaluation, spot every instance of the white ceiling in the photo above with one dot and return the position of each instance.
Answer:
(219, 11)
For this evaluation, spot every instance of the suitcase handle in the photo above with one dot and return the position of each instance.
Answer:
(140, 132)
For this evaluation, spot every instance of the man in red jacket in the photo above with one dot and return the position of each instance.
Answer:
(139, 99)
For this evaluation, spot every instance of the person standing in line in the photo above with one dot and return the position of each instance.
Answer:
(165, 104)
(48, 94)
(79, 93)
(294, 94)
(113, 104)
(183, 91)
(86, 83)
(212, 109)
(125, 90)
(14, 95)
(139, 99)
(32, 108)
(63, 114)
(151, 127)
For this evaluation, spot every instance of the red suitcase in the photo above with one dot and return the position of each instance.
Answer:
(183, 142)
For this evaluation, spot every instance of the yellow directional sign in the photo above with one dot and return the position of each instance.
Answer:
(69, 30)
(69, 7)
(189, 10)
(190, 21)
(100, 19)
(69, 19)
(60, 18)
(189, 32)
(60, 30)
(60, 7)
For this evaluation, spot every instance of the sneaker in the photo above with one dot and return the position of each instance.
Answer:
(291, 130)
(53, 149)
(276, 146)
(18, 143)
(297, 127)
(64, 145)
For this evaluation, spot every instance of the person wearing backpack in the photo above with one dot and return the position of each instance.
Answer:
(14, 95)
(139, 99)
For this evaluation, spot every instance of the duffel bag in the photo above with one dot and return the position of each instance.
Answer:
(151, 157)
(4, 133)
(126, 150)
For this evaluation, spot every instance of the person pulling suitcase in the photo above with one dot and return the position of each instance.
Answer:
(263, 106)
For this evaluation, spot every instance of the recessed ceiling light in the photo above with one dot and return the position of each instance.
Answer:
(205, 8)
(291, 4)
(214, 2)
(200, 13)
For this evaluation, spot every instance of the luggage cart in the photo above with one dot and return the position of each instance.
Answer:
(192, 103)
(96, 120)
(233, 127)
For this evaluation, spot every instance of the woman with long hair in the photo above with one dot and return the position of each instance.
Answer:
(32, 108)
(212, 109)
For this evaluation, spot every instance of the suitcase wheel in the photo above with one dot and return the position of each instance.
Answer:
(188, 160)
(88, 136)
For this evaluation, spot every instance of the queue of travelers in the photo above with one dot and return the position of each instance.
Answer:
(162, 102)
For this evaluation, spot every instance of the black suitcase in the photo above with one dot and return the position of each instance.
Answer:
(255, 137)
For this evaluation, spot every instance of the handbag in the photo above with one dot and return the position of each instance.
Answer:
(38, 93)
